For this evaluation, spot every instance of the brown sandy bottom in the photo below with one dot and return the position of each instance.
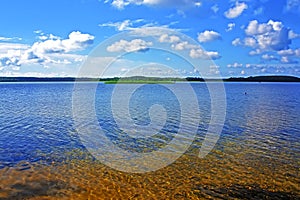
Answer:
(217, 176)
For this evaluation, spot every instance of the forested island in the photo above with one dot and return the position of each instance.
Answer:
(159, 80)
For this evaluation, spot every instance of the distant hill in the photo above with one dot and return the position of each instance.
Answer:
(142, 79)
(265, 79)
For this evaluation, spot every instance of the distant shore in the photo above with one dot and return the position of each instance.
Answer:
(151, 80)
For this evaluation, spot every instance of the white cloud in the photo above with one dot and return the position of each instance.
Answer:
(271, 36)
(200, 53)
(236, 11)
(235, 65)
(129, 46)
(214, 70)
(297, 52)
(236, 42)
(52, 51)
(6, 39)
(176, 42)
(183, 46)
(250, 42)
(269, 57)
(287, 52)
(75, 42)
(139, 26)
(293, 5)
(32, 74)
(43, 37)
(49, 37)
(208, 36)
(285, 67)
(198, 4)
(153, 31)
(38, 31)
(169, 38)
(254, 28)
(255, 52)
(293, 35)
(10, 53)
(215, 8)
(258, 11)
(268, 37)
(289, 55)
(287, 60)
(7, 61)
(230, 26)
(122, 25)
(121, 4)
(6, 47)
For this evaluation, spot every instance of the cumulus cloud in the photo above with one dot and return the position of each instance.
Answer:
(289, 56)
(121, 4)
(8, 61)
(255, 52)
(250, 42)
(9, 47)
(269, 36)
(289, 67)
(169, 38)
(208, 36)
(52, 50)
(183, 45)
(75, 42)
(10, 53)
(235, 65)
(293, 5)
(200, 53)
(287, 52)
(194, 50)
(230, 26)
(254, 28)
(214, 70)
(288, 60)
(236, 11)
(236, 42)
(293, 35)
(269, 57)
(129, 46)
(50, 36)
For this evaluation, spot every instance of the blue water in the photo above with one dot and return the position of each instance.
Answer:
(36, 122)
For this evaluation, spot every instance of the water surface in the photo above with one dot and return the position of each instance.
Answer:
(257, 155)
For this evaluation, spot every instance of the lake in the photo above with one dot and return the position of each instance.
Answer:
(257, 156)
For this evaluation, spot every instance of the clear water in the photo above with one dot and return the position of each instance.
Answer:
(257, 155)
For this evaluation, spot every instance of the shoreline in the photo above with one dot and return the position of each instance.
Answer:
(152, 80)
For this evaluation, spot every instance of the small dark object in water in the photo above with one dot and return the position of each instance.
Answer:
(245, 93)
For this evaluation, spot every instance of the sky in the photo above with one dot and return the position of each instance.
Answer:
(239, 38)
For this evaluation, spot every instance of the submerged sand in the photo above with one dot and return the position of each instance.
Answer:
(220, 175)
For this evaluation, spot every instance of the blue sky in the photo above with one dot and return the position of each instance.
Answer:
(243, 38)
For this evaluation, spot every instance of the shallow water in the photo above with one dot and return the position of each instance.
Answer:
(256, 157)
